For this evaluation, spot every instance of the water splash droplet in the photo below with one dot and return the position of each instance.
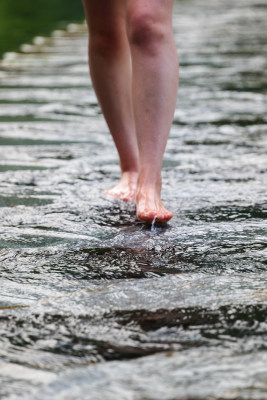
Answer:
(153, 228)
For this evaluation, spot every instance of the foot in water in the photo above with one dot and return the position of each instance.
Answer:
(126, 188)
(149, 207)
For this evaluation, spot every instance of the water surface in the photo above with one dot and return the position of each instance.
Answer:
(93, 304)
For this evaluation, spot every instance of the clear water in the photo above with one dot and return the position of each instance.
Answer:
(94, 304)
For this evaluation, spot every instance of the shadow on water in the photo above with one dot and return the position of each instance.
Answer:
(123, 335)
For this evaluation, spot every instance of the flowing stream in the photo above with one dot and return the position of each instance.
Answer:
(93, 304)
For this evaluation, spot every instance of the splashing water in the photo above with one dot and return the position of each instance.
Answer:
(153, 227)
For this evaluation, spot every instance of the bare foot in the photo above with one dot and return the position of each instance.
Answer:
(126, 188)
(149, 206)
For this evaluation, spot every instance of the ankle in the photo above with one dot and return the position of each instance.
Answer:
(131, 169)
(130, 174)
(149, 180)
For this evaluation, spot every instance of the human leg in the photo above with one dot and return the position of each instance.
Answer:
(155, 82)
(111, 72)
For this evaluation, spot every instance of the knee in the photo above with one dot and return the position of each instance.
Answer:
(146, 30)
(106, 42)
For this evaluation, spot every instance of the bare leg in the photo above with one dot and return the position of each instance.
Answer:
(155, 83)
(111, 72)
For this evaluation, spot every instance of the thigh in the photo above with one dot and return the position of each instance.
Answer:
(104, 15)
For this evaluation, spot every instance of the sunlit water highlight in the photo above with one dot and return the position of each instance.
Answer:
(96, 305)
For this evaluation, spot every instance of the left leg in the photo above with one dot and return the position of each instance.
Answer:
(110, 68)
(155, 82)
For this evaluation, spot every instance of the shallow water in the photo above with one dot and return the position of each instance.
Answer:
(94, 304)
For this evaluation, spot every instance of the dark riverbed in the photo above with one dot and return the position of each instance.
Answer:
(93, 305)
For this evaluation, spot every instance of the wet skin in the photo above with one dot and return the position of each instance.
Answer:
(147, 199)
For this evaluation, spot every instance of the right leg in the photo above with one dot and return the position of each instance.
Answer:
(155, 78)
(110, 67)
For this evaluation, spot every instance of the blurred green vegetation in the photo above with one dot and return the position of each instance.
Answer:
(21, 20)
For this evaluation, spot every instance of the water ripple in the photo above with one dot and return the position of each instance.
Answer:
(94, 304)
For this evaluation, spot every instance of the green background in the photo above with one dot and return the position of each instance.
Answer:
(21, 20)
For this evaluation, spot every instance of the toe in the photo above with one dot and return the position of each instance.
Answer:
(165, 217)
(148, 216)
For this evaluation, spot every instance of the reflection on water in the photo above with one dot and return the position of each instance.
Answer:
(94, 304)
